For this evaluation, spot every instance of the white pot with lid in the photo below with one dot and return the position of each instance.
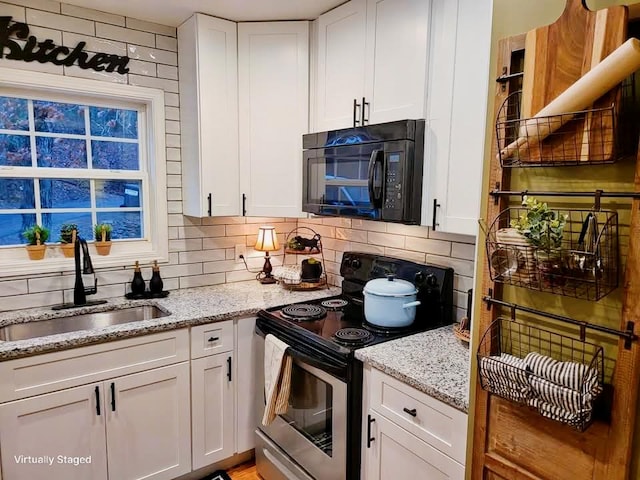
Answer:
(390, 302)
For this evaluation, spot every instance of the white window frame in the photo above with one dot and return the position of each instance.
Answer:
(14, 261)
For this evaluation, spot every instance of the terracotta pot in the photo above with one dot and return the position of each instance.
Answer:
(68, 249)
(36, 252)
(103, 248)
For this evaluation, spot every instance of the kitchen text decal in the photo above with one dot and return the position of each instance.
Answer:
(47, 51)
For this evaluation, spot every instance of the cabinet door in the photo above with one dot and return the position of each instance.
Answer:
(395, 453)
(55, 428)
(340, 65)
(457, 113)
(273, 65)
(246, 388)
(148, 430)
(209, 116)
(396, 59)
(212, 409)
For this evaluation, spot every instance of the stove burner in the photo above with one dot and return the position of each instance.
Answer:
(303, 312)
(353, 336)
(334, 304)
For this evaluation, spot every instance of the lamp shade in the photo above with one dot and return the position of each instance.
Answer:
(267, 240)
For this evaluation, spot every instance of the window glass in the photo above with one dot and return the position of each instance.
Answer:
(65, 193)
(14, 114)
(113, 122)
(12, 225)
(115, 155)
(55, 117)
(15, 150)
(16, 193)
(54, 221)
(57, 152)
(125, 224)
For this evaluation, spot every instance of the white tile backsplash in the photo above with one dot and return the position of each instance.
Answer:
(48, 5)
(104, 30)
(16, 12)
(145, 26)
(89, 14)
(152, 55)
(167, 43)
(60, 22)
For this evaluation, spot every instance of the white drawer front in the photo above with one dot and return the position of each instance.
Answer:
(25, 377)
(438, 424)
(211, 339)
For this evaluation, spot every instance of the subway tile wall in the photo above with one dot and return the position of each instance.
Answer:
(201, 251)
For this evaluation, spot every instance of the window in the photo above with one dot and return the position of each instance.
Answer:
(81, 152)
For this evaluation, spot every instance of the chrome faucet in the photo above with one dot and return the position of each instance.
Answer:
(79, 291)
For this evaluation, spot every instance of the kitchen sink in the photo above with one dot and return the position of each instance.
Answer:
(85, 321)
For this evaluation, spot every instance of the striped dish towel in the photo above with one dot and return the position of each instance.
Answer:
(575, 419)
(576, 376)
(277, 378)
(505, 376)
(568, 400)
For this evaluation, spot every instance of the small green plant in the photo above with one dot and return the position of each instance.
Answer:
(35, 233)
(99, 228)
(542, 227)
(66, 232)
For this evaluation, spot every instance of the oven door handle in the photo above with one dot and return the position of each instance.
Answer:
(309, 360)
(375, 191)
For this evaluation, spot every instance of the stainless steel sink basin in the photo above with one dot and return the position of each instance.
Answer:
(72, 323)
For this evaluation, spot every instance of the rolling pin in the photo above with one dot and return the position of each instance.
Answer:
(621, 63)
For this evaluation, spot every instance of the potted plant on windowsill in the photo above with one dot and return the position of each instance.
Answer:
(102, 236)
(36, 236)
(68, 234)
(543, 229)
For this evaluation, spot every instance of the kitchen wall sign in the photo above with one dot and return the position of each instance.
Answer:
(47, 52)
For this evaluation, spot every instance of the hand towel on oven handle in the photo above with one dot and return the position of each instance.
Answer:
(277, 378)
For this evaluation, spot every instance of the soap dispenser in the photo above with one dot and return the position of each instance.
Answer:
(156, 284)
(137, 284)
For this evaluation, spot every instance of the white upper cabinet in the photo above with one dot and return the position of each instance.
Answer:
(340, 66)
(372, 62)
(456, 116)
(207, 56)
(396, 59)
(273, 73)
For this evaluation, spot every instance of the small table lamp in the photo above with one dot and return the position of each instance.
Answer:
(267, 242)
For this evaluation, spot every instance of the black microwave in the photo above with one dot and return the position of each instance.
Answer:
(372, 172)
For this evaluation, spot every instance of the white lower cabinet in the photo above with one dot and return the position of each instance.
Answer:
(132, 427)
(408, 434)
(41, 428)
(212, 404)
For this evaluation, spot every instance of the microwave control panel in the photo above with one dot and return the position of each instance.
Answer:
(393, 192)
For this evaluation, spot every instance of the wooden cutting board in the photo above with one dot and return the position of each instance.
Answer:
(555, 57)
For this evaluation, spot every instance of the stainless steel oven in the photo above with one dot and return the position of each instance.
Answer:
(313, 431)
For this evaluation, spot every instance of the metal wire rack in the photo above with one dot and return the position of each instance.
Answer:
(582, 263)
(559, 376)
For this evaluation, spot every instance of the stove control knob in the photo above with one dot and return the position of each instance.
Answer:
(355, 263)
(419, 278)
(432, 280)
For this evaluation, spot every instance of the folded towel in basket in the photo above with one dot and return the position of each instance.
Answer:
(574, 375)
(504, 371)
(575, 419)
(518, 395)
(570, 401)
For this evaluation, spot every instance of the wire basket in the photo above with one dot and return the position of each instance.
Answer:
(560, 377)
(584, 265)
(592, 136)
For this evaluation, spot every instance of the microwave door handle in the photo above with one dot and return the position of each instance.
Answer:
(375, 199)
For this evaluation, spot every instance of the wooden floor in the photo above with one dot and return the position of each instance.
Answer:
(245, 471)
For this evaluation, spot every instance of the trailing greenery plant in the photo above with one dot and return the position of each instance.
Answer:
(31, 234)
(97, 232)
(66, 232)
(542, 227)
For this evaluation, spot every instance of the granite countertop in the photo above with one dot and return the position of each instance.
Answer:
(434, 362)
(187, 307)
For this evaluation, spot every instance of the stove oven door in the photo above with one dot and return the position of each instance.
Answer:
(313, 431)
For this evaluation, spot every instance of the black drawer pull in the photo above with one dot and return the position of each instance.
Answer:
(229, 369)
(97, 390)
(213, 339)
(113, 397)
(370, 439)
(411, 412)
